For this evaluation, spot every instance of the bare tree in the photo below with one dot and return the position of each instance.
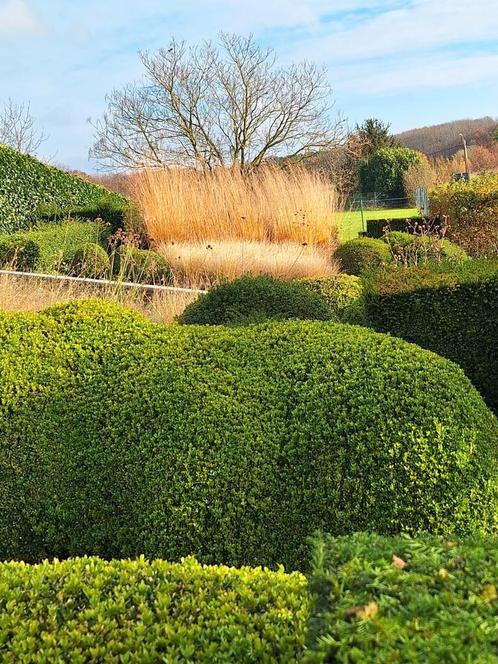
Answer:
(19, 129)
(216, 105)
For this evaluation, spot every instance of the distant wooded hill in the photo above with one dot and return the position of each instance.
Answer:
(444, 140)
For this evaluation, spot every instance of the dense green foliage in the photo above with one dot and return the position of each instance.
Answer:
(339, 291)
(471, 211)
(88, 609)
(362, 253)
(90, 260)
(256, 299)
(119, 437)
(397, 599)
(411, 249)
(376, 227)
(27, 187)
(382, 172)
(113, 210)
(449, 309)
(49, 247)
(142, 266)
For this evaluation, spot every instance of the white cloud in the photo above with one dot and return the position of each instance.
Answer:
(16, 17)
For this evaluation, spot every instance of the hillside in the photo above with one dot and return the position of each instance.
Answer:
(28, 188)
(443, 140)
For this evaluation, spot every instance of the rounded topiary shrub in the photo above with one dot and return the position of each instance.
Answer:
(362, 253)
(416, 249)
(142, 266)
(120, 438)
(254, 300)
(18, 253)
(339, 291)
(90, 260)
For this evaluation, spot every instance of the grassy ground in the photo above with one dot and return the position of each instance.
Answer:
(350, 222)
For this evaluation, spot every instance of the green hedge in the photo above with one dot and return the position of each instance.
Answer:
(141, 265)
(90, 260)
(88, 609)
(449, 309)
(119, 437)
(251, 300)
(408, 249)
(339, 291)
(376, 227)
(56, 244)
(28, 186)
(362, 253)
(383, 599)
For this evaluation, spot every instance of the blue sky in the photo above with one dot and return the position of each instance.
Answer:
(410, 62)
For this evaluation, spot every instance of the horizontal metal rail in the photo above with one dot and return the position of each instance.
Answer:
(101, 282)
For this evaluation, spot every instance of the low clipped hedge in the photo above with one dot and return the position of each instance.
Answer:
(89, 609)
(28, 187)
(449, 309)
(376, 228)
(362, 253)
(119, 438)
(398, 599)
(339, 291)
(90, 260)
(251, 300)
(141, 265)
(408, 249)
(50, 247)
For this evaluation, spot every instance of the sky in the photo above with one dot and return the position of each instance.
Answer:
(410, 62)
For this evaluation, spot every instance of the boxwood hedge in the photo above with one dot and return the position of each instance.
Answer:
(398, 599)
(119, 437)
(362, 253)
(339, 291)
(449, 309)
(250, 300)
(50, 247)
(91, 610)
(28, 186)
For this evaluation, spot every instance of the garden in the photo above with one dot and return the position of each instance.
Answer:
(240, 422)
(301, 463)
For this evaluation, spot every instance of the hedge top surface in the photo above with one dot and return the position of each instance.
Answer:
(254, 300)
(119, 437)
(398, 599)
(89, 609)
(362, 253)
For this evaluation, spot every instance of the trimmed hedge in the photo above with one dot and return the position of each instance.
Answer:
(376, 227)
(382, 599)
(90, 260)
(28, 186)
(251, 300)
(115, 211)
(339, 291)
(142, 265)
(449, 309)
(89, 609)
(50, 247)
(410, 249)
(362, 253)
(119, 437)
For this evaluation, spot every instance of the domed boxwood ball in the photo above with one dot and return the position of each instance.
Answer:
(340, 291)
(119, 437)
(90, 260)
(256, 299)
(362, 253)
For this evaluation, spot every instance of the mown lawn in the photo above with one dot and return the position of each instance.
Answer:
(350, 221)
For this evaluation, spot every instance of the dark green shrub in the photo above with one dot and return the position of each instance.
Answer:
(339, 291)
(17, 252)
(114, 211)
(119, 438)
(29, 188)
(88, 609)
(362, 253)
(397, 599)
(408, 249)
(90, 260)
(376, 227)
(253, 300)
(383, 170)
(449, 309)
(53, 245)
(141, 266)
